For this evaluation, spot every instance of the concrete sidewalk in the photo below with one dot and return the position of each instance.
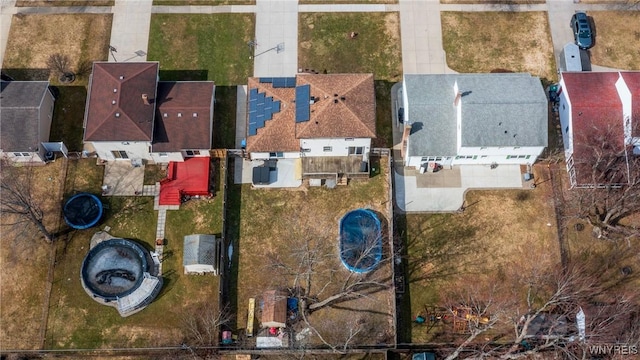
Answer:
(7, 9)
(130, 30)
(276, 42)
(421, 29)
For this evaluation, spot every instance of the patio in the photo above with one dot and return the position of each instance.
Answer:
(288, 173)
(122, 178)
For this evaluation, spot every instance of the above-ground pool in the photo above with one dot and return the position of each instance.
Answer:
(360, 240)
(114, 268)
(82, 211)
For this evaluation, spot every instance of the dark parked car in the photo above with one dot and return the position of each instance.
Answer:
(582, 33)
(401, 115)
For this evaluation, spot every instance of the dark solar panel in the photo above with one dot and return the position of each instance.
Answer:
(261, 109)
(283, 82)
(276, 106)
(303, 95)
(266, 80)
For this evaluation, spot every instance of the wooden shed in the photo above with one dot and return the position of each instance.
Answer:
(201, 254)
(274, 311)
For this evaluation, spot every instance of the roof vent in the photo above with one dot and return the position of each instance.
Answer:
(117, 114)
(179, 114)
(115, 90)
(195, 114)
(335, 101)
(343, 98)
(165, 115)
(121, 77)
(145, 99)
(113, 102)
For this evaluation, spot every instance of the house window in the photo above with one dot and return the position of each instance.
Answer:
(280, 154)
(356, 150)
(348, 139)
(306, 150)
(163, 155)
(327, 148)
(431, 158)
(119, 154)
(466, 157)
(192, 152)
(24, 154)
(562, 106)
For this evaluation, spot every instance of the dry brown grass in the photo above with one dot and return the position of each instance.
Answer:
(65, 2)
(505, 2)
(278, 221)
(24, 261)
(617, 39)
(500, 233)
(508, 42)
(82, 37)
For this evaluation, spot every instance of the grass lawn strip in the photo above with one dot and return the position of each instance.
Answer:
(25, 259)
(617, 38)
(202, 47)
(325, 44)
(510, 42)
(81, 37)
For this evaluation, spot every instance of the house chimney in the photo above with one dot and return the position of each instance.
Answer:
(145, 99)
(456, 101)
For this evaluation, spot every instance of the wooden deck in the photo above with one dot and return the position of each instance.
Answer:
(347, 165)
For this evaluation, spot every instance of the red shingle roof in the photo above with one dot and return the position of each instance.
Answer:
(183, 118)
(597, 123)
(116, 110)
(355, 116)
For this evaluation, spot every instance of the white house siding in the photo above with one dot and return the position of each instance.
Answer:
(475, 155)
(278, 155)
(198, 269)
(134, 149)
(564, 111)
(165, 157)
(625, 98)
(335, 146)
(29, 158)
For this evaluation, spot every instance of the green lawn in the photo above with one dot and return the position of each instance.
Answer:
(324, 43)
(384, 123)
(77, 321)
(224, 117)
(68, 116)
(202, 47)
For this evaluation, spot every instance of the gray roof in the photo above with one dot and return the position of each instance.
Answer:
(199, 249)
(497, 110)
(19, 120)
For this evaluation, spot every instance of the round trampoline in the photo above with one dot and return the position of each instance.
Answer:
(82, 211)
(360, 240)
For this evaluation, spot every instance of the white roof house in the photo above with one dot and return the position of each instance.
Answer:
(201, 254)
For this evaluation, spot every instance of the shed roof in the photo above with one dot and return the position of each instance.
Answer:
(20, 103)
(199, 249)
(274, 313)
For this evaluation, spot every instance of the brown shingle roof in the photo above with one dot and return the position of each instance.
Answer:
(174, 133)
(331, 116)
(115, 109)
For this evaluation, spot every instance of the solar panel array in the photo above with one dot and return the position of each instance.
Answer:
(261, 109)
(280, 82)
(303, 97)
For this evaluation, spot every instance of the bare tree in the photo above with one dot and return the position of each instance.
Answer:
(313, 272)
(539, 315)
(21, 210)
(60, 64)
(607, 173)
(202, 324)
